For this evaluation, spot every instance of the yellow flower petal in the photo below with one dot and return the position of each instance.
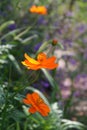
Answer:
(31, 60)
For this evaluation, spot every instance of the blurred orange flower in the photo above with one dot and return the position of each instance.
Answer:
(41, 62)
(37, 104)
(38, 9)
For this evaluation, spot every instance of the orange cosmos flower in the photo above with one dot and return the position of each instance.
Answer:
(37, 104)
(41, 62)
(38, 9)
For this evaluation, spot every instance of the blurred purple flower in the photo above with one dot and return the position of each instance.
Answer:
(79, 76)
(36, 47)
(47, 37)
(41, 83)
(65, 93)
(12, 27)
(80, 82)
(69, 14)
(42, 20)
(85, 40)
(60, 31)
(56, 24)
(85, 54)
(60, 75)
(76, 94)
(67, 42)
(62, 86)
(81, 28)
(72, 61)
(45, 84)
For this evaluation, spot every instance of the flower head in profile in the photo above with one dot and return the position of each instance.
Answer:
(38, 9)
(41, 62)
(54, 42)
(37, 104)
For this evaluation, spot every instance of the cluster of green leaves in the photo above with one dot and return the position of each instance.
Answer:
(13, 86)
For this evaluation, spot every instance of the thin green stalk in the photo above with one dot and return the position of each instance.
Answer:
(68, 104)
(17, 126)
(25, 125)
(54, 85)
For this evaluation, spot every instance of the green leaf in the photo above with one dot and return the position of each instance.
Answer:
(15, 63)
(26, 40)
(60, 45)
(11, 33)
(72, 124)
(6, 24)
(22, 33)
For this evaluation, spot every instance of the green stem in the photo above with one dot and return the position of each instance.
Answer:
(54, 85)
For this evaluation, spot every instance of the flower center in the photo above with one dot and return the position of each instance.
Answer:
(39, 101)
